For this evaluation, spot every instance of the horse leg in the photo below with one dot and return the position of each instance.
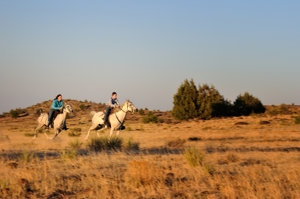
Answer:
(111, 132)
(98, 135)
(56, 133)
(91, 128)
(118, 132)
(35, 129)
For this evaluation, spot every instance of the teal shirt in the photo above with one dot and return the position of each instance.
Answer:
(57, 104)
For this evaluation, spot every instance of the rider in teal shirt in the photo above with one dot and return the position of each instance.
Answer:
(57, 105)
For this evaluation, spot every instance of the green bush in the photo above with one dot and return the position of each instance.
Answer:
(15, 113)
(82, 107)
(247, 104)
(141, 112)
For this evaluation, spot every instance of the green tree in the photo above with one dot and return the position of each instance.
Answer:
(185, 101)
(246, 104)
(211, 103)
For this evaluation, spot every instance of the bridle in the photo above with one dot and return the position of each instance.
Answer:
(124, 112)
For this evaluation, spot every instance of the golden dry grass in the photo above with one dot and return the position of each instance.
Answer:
(244, 158)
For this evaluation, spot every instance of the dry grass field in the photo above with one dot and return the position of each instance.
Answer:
(240, 157)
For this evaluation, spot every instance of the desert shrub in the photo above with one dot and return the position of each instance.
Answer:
(82, 107)
(76, 144)
(176, 143)
(141, 112)
(193, 156)
(151, 118)
(131, 145)
(104, 143)
(16, 112)
(297, 120)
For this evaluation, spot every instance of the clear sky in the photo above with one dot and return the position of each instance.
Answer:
(144, 50)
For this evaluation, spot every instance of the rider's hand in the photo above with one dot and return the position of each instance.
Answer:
(61, 109)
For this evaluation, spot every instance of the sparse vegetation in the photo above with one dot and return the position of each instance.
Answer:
(188, 159)
(151, 118)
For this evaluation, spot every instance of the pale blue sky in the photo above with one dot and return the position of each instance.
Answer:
(144, 50)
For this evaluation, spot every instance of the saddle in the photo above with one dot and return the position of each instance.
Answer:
(55, 114)
(112, 111)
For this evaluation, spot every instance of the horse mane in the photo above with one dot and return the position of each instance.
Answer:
(127, 100)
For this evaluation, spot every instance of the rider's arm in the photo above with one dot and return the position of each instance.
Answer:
(56, 105)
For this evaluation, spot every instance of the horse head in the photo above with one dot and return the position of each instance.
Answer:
(129, 106)
(68, 108)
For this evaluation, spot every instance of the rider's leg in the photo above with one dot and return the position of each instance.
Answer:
(50, 117)
(108, 109)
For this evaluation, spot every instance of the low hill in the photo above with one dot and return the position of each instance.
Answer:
(82, 110)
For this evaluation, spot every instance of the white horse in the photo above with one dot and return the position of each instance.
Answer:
(116, 119)
(59, 121)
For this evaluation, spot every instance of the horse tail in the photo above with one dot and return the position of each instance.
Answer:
(92, 113)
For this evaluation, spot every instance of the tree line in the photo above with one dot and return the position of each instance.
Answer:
(206, 102)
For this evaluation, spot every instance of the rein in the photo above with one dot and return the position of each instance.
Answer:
(124, 112)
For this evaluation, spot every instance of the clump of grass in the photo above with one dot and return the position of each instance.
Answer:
(26, 156)
(131, 145)
(209, 168)
(193, 156)
(176, 143)
(297, 120)
(4, 184)
(104, 143)
(76, 144)
(28, 134)
(142, 173)
(68, 155)
(128, 128)
(74, 132)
